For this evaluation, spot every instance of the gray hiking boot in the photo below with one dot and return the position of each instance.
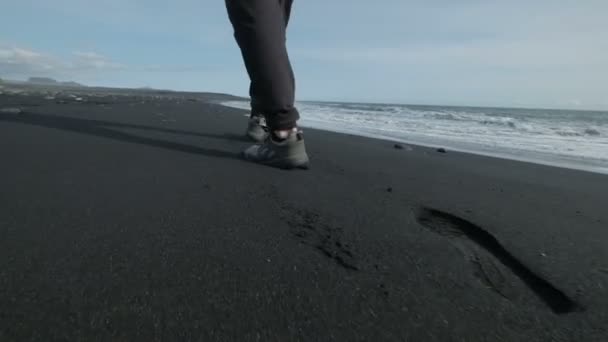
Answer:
(289, 153)
(257, 129)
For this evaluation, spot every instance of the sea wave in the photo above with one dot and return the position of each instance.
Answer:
(578, 137)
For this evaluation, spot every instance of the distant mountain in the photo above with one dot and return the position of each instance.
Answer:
(42, 80)
(72, 84)
(52, 82)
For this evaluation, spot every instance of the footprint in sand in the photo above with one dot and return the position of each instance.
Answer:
(491, 260)
(309, 229)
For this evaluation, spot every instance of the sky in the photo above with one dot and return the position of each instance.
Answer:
(542, 53)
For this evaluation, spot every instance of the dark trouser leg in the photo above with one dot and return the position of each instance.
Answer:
(260, 31)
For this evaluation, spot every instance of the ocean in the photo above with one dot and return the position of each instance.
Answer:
(566, 138)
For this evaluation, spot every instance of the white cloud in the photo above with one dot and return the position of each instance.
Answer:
(15, 60)
(93, 60)
(22, 63)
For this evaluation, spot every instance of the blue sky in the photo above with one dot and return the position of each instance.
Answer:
(511, 53)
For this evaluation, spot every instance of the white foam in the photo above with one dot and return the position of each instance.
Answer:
(540, 138)
(11, 110)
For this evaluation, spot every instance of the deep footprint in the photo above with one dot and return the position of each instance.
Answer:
(453, 227)
(491, 275)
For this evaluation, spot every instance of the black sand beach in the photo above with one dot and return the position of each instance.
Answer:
(132, 218)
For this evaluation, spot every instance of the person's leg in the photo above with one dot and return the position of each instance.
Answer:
(286, 5)
(253, 87)
(260, 31)
(255, 103)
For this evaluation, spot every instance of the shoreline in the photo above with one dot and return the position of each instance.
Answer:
(566, 162)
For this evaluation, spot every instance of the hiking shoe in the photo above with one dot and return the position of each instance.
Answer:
(257, 129)
(288, 153)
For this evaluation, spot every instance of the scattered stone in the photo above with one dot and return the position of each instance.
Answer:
(11, 110)
(399, 146)
(389, 189)
(441, 150)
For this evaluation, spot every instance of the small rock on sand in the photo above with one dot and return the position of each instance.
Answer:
(441, 150)
(399, 146)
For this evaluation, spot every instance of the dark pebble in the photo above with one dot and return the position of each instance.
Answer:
(389, 189)
(399, 146)
(441, 150)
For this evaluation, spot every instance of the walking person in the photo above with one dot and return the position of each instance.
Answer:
(260, 28)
